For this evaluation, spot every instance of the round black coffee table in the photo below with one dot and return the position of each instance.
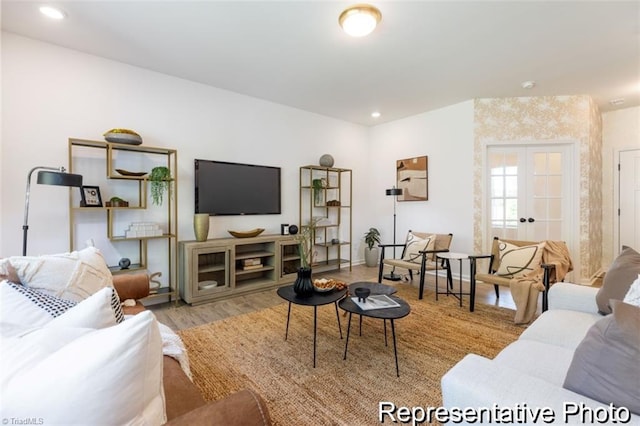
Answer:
(385, 314)
(315, 300)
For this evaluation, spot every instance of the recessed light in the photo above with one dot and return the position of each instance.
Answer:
(375, 114)
(52, 12)
(617, 101)
(528, 84)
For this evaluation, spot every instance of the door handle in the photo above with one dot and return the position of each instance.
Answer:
(523, 220)
(531, 220)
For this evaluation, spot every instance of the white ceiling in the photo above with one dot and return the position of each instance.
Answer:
(423, 56)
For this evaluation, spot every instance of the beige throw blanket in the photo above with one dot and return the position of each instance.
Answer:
(525, 288)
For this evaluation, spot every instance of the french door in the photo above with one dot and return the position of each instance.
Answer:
(529, 192)
(629, 200)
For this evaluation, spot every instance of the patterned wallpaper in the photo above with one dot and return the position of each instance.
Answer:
(544, 119)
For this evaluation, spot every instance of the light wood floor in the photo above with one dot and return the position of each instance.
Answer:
(184, 316)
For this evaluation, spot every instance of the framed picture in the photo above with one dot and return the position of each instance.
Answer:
(90, 196)
(412, 179)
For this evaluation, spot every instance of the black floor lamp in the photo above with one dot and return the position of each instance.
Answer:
(47, 176)
(394, 192)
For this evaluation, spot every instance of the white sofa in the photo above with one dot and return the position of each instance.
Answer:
(530, 372)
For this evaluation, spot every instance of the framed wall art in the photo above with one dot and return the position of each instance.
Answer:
(90, 196)
(412, 178)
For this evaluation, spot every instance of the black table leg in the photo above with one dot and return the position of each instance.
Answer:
(360, 325)
(346, 344)
(315, 328)
(460, 260)
(395, 349)
(338, 316)
(385, 332)
(286, 332)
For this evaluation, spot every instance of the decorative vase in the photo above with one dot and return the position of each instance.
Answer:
(201, 226)
(326, 160)
(303, 286)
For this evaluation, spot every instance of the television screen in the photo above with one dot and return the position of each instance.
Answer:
(223, 188)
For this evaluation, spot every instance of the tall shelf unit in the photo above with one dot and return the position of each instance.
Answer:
(98, 161)
(326, 197)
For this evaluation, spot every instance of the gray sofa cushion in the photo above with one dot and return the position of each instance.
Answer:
(622, 272)
(605, 365)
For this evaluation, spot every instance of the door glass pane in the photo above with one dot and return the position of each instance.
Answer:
(496, 163)
(554, 188)
(497, 186)
(555, 230)
(511, 208)
(540, 208)
(555, 163)
(539, 186)
(497, 209)
(555, 208)
(511, 186)
(539, 163)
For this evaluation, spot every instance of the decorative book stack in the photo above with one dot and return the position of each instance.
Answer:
(143, 229)
(251, 263)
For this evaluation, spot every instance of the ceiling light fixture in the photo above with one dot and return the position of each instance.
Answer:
(375, 114)
(52, 12)
(359, 20)
(528, 84)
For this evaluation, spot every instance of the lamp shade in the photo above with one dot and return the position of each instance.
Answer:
(394, 191)
(46, 177)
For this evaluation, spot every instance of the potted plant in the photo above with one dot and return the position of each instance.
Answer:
(303, 285)
(371, 237)
(160, 178)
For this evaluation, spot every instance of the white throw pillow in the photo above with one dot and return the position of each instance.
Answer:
(24, 305)
(107, 376)
(73, 276)
(415, 245)
(516, 261)
(633, 295)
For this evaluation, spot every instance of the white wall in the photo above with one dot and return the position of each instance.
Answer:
(620, 130)
(50, 94)
(446, 137)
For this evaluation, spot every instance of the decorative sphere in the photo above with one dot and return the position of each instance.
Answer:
(124, 263)
(326, 160)
(293, 229)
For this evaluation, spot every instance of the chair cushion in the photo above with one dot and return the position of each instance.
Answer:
(415, 245)
(617, 281)
(429, 265)
(605, 365)
(516, 261)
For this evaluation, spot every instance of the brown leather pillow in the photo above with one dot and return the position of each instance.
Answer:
(605, 364)
(621, 274)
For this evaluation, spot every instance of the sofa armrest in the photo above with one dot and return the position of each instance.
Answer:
(131, 286)
(479, 382)
(573, 297)
(243, 408)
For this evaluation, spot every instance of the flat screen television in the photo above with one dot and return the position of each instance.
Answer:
(223, 188)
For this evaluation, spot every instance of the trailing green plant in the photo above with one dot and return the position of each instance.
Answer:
(160, 178)
(371, 237)
(317, 190)
(306, 242)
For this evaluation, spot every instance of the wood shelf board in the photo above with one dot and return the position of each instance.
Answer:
(325, 169)
(121, 146)
(291, 257)
(240, 271)
(252, 254)
(212, 268)
(116, 270)
(156, 237)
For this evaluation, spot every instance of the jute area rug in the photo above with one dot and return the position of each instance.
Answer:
(249, 351)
